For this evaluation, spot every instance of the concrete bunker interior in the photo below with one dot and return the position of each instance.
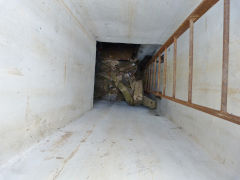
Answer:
(52, 129)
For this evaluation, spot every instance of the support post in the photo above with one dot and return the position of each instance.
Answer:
(151, 76)
(159, 72)
(174, 67)
(225, 55)
(165, 71)
(190, 76)
(155, 72)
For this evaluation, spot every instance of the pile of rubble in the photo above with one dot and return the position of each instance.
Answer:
(118, 80)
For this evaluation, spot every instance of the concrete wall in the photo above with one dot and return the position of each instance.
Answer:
(219, 137)
(133, 21)
(46, 71)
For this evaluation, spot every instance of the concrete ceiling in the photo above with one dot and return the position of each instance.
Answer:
(131, 21)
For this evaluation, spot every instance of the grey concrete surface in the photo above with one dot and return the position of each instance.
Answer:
(115, 141)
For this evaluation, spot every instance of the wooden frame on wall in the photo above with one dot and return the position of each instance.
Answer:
(204, 6)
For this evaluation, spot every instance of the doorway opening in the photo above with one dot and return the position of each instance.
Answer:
(119, 73)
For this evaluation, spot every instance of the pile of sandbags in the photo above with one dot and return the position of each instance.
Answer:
(118, 80)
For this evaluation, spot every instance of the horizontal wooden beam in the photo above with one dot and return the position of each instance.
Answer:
(217, 113)
(202, 8)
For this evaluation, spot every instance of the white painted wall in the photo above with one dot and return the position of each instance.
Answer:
(182, 66)
(219, 137)
(169, 78)
(46, 71)
(234, 62)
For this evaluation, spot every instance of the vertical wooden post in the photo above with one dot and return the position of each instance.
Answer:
(159, 72)
(150, 83)
(190, 77)
(149, 77)
(174, 67)
(155, 72)
(165, 72)
(225, 55)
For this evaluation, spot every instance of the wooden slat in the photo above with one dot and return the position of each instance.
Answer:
(174, 67)
(155, 73)
(151, 76)
(217, 113)
(202, 8)
(190, 75)
(165, 72)
(159, 73)
(225, 55)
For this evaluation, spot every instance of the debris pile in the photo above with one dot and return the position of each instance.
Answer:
(118, 80)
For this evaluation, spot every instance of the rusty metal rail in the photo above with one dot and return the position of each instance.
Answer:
(204, 6)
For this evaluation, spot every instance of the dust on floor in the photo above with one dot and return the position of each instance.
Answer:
(115, 141)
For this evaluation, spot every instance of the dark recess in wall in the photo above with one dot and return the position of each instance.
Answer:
(119, 71)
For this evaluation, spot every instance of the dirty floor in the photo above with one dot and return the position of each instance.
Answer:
(116, 142)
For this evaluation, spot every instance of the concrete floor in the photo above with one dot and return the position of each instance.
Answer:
(115, 141)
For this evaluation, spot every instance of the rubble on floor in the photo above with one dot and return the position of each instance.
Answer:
(120, 79)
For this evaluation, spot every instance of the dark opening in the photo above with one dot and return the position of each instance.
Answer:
(119, 71)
